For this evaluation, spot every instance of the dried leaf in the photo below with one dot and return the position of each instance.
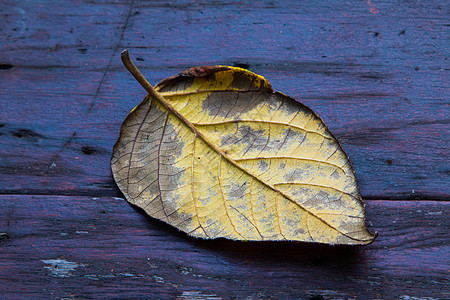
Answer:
(216, 153)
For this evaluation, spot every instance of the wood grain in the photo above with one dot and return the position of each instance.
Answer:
(114, 248)
(377, 80)
(375, 71)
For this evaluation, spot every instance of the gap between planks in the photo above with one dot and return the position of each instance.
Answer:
(114, 194)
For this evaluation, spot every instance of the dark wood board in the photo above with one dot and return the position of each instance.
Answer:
(84, 247)
(375, 71)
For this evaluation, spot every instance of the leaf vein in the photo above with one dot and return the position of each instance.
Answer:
(192, 187)
(288, 157)
(158, 163)
(219, 171)
(262, 121)
(134, 143)
(278, 215)
(316, 185)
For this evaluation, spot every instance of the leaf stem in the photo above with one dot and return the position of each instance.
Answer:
(131, 67)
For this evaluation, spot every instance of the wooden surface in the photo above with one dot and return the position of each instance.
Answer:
(105, 248)
(375, 71)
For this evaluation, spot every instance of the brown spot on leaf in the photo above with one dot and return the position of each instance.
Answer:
(202, 71)
(186, 78)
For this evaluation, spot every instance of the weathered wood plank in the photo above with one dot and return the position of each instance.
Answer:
(59, 247)
(377, 74)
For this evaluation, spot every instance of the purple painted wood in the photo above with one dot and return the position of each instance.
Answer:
(378, 79)
(84, 247)
(375, 71)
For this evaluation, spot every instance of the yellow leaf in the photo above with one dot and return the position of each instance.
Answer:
(216, 153)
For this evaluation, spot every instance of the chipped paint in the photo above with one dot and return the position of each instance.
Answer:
(61, 267)
(197, 295)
